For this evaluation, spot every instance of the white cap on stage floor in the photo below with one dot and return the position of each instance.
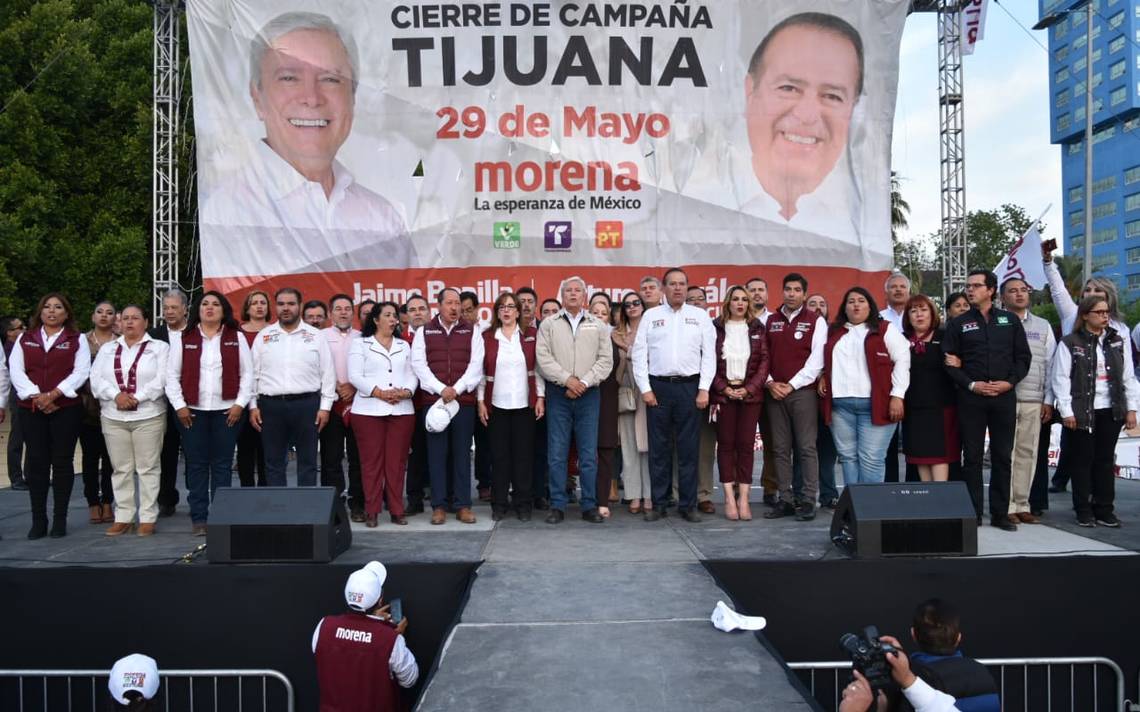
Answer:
(729, 620)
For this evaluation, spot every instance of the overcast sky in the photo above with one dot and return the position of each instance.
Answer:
(1008, 155)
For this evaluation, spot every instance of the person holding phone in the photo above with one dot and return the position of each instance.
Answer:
(362, 658)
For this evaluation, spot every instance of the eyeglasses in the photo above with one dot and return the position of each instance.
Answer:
(1099, 312)
(631, 304)
(694, 300)
(507, 307)
(975, 285)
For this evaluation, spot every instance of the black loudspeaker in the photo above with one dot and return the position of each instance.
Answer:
(906, 519)
(277, 524)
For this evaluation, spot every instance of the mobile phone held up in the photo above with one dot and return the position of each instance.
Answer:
(396, 610)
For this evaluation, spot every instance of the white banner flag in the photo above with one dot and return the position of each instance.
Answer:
(973, 24)
(1024, 261)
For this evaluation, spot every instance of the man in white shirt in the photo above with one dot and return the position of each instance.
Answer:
(175, 314)
(897, 289)
(337, 437)
(419, 313)
(295, 386)
(304, 73)
(758, 290)
(447, 356)
(674, 361)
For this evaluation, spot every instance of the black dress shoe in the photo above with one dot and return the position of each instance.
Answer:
(58, 528)
(691, 516)
(770, 500)
(497, 515)
(414, 508)
(831, 503)
(593, 516)
(555, 517)
(541, 504)
(524, 515)
(652, 515)
(166, 510)
(1055, 489)
(805, 512)
(38, 531)
(1004, 524)
(779, 511)
(19, 485)
(357, 515)
(1037, 512)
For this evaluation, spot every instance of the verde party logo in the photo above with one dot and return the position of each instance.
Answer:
(507, 235)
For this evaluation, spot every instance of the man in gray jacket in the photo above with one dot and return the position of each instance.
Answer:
(1034, 399)
(574, 355)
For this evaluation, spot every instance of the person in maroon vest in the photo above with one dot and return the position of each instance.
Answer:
(362, 658)
(255, 316)
(866, 371)
(49, 364)
(796, 337)
(738, 394)
(511, 400)
(447, 356)
(209, 384)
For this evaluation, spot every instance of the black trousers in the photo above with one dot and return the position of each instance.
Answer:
(15, 439)
(97, 466)
(1093, 456)
(417, 479)
(171, 445)
(51, 443)
(333, 440)
(484, 460)
(510, 435)
(1061, 475)
(250, 456)
(1039, 490)
(674, 422)
(998, 414)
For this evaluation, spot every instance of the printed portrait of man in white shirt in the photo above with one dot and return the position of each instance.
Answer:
(293, 207)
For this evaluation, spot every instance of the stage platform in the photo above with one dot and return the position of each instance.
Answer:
(615, 616)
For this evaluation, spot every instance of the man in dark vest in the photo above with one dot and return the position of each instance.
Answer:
(362, 659)
(175, 313)
(796, 339)
(447, 356)
(936, 629)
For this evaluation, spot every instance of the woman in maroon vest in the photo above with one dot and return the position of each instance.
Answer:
(97, 467)
(511, 399)
(209, 384)
(738, 394)
(255, 316)
(866, 371)
(49, 364)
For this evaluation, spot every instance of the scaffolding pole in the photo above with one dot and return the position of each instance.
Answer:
(952, 147)
(164, 181)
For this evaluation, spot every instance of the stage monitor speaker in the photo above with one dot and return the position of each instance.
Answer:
(277, 524)
(906, 519)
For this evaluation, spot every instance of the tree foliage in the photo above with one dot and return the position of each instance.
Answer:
(75, 151)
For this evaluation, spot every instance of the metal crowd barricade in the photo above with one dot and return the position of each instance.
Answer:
(181, 690)
(1085, 684)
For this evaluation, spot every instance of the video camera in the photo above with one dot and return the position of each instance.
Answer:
(869, 656)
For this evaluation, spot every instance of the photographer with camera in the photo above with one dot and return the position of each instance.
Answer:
(362, 659)
(879, 662)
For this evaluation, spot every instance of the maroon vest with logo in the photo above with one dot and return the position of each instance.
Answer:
(491, 357)
(353, 653)
(47, 368)
(192, 363)
(787, 354)
(879, 366)
(448, 355)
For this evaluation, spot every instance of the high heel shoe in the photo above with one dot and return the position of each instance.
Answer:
(730, 512)
(96, 514)
(745, 509)
(108, 513)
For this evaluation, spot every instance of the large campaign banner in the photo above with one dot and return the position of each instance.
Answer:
(381, 148)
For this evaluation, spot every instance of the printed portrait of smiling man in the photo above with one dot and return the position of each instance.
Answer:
(803, 82)
(303, 80)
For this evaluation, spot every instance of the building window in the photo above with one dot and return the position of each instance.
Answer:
(1104, 210)
(1104, 134)
(1062, 75)
(1110, 260)
(1064, 121)
(1132, 175)
(1075, 147)
(1116, 20)
(1077, 194)
(1061, 29)
(1099, 186)
(1113, 47)
(1132, 202)
(1131, 124)
(1077, 242)
(1132, 256)
(1061, 53)
(1116, 70)
(1078, 18)
(1076, 218)
(1064, 96)
(1079, 65)
(1132, 229)
(1097, 79)
(1118, 96)
(1133, 282)
(1079, 115)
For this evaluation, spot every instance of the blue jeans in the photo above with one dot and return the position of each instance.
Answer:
(209, 448)
(577, 417)
(861, 445)
(456, 470)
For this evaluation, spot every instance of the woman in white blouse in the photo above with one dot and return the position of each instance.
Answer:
(129, 379)
(865, 376)
(209, 384)
(511, 399)
(383, 417)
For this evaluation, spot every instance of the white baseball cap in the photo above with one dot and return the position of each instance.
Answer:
(134, 672)
(365, 586)
(439, 416)
(728, 620)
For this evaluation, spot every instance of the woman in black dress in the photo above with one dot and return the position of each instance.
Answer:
(930, 428)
